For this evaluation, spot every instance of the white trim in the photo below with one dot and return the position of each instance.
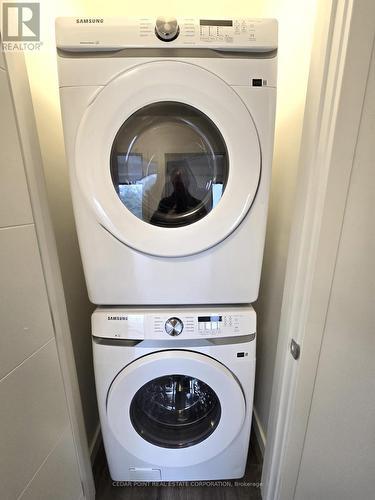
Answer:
(95, 443)
(24, 113)
(259, 432)
(344, 30)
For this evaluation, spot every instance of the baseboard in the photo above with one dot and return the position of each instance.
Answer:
(259, 432)
(95, 444)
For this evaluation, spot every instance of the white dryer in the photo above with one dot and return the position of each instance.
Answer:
(169, 138)
(175, 391)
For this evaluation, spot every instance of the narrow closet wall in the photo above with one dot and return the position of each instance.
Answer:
(39, 458)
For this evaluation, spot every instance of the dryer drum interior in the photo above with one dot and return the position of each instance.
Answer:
(175, 411)
(169, 164)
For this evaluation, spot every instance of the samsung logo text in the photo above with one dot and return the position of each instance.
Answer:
(89, 20)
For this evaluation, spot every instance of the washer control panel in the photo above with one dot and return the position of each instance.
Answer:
(166, 323)
(227, 30)
(174, 326)
(107, 33)
(166, 28)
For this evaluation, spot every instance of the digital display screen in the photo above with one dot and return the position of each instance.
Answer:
(215, 22)
(205, 319)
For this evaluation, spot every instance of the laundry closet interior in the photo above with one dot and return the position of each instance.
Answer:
(168, 153)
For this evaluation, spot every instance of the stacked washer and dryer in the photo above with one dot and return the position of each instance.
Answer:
(168, 129)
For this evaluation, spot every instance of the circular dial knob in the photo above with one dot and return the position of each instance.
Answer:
(166, 28)
(174, 326)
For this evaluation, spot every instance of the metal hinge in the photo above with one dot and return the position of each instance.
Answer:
(295, 349)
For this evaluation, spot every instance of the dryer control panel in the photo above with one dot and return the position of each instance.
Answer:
(177, 323)
(110, 34)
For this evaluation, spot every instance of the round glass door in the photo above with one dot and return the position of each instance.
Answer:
(169, 164)
(175, 411)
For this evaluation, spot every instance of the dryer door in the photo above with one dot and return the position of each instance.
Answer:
(175, 408)
(168, 158)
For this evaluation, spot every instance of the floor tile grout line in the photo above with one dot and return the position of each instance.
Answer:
(14, 226)
(27, 358)
(43, 462)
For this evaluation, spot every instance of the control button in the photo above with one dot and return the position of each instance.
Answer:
(200, 325)
(166, 28)
(174, 326)
(208, 325)
(214, 325)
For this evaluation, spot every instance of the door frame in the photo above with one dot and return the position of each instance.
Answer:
(336, 89)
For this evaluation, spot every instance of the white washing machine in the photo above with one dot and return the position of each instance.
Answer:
(169, 136)
(175, 391)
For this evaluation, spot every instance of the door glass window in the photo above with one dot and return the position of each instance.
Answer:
(175, 411)
(169, 164)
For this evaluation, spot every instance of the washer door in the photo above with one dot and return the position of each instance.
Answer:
(175, 408)
(168, 158)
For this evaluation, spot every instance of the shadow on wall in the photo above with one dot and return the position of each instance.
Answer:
(268, 305)
(48, 117)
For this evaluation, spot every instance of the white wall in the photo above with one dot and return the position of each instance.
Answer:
(338, 459)
(296, 22)
(295, 25)
(38, 457)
